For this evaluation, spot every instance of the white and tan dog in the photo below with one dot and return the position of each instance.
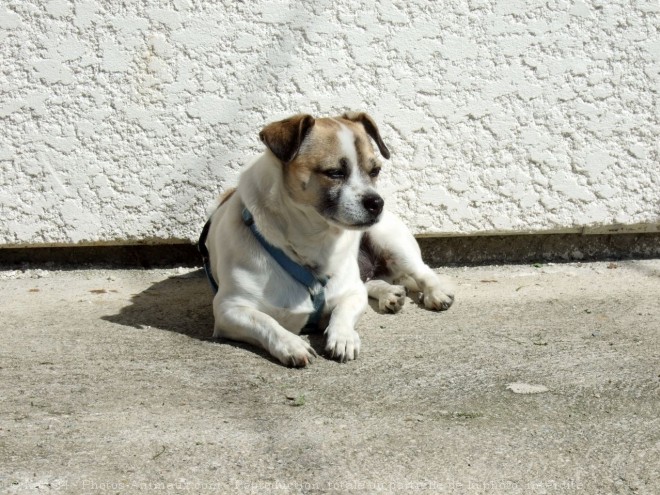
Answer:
(311, 197)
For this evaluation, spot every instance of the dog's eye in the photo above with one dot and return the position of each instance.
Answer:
(374, 172)
(335, 173)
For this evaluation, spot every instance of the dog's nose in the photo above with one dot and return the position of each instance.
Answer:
(373, 203)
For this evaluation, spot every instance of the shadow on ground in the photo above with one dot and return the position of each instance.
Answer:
(183, 304)
(180, 304)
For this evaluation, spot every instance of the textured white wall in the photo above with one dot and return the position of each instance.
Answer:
(122, 120)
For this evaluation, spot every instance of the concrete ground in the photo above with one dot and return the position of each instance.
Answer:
(541, 379)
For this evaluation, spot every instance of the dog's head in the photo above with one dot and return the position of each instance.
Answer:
(330, 165)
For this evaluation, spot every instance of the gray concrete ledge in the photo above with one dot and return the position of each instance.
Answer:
(438, 251)
(480, 250)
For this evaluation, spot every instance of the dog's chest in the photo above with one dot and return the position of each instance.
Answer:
(291, 306)
(290, 303)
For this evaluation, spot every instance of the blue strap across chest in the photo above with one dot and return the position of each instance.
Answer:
(315, 284)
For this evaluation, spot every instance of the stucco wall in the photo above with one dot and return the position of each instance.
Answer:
(122, 120)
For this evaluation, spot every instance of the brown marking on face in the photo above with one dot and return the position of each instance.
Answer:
(322, 151)
(367, 159)
(301, 175)
(317, 158)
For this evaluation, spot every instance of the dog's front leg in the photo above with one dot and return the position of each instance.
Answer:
(343, 342)
(247, 324)
(404, 259)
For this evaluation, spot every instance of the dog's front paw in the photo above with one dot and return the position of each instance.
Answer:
(343, 344)
(439, 295)
(393, 300)
(292, 350)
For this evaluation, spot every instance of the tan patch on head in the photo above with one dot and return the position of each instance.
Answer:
(367, 158)
(323, 146)
(322, 150)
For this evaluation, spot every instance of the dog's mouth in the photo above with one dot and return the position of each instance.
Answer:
(352, 211)
(362, 225)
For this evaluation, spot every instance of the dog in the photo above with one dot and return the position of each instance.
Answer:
(304, 240)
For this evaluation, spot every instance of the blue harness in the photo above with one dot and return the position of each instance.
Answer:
(315, 284)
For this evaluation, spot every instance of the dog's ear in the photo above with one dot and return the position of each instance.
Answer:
(371, 128)
(284, 137)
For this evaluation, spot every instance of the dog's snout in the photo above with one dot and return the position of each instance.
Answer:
(373, 203)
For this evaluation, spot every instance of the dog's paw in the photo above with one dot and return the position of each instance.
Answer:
(393, 300)
(343, 344)
(293, 351)
(439, 295)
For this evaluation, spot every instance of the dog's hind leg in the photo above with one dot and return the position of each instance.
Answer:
(393, 243)
(391, 298)
(247, 324)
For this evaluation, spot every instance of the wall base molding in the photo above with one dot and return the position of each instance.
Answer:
(438, 251)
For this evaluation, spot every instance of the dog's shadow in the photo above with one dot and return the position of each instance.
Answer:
(183, 304)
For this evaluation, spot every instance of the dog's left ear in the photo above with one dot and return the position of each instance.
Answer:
(284, 137)
(371, 128)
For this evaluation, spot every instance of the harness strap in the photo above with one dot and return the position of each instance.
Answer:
(315, 284)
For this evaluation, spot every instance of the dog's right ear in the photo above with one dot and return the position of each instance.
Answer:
(371, 128)
(284, 137)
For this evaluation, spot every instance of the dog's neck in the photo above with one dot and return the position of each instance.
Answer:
(304, 235)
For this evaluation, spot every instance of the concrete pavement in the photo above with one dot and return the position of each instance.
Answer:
(541, 379)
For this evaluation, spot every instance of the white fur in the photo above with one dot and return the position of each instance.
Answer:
(259, 303)
(347, 142)
(351, 210)
(392, 238)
